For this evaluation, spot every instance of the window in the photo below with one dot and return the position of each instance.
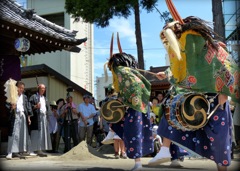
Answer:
(55, 18)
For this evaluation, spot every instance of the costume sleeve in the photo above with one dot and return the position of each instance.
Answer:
(134, 88)
(32, 101)
(169, 76)
(47, 105)
(29, 108)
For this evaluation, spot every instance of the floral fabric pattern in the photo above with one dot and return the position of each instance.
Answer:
(138, 141)
(137, 134)
(134, 88)
(204, 69)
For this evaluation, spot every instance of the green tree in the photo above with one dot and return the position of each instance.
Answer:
(100, 12)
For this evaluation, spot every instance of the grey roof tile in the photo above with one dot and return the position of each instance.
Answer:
(11, 11)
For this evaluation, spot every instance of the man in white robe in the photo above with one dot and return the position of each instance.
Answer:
(40, 136)
(19, 118)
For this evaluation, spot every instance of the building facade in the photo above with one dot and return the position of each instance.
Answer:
(57, 86)
(231, 12)
(23, 33)
(101, 87)
(78, 67)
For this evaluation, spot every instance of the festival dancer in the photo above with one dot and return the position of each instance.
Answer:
(199, 63)
(134, 90)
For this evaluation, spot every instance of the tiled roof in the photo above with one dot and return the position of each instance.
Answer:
(153, 79)
(13, 13)
(44, 70)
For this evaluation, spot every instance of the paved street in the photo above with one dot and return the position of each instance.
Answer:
(107, 163)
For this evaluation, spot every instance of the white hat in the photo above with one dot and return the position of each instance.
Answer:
(53, 103)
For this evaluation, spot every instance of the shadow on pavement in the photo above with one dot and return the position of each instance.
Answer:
(169, 167)
(100, 169)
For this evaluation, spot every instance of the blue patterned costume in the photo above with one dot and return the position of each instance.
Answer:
(213, 141)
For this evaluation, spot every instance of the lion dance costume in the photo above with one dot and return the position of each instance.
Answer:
(134, 90)
(200, 63)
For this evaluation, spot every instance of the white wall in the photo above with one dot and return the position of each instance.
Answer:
(82, 64)
(32, 83)
(100, 87)
(43, 7)
(78, 67)
(59, 61)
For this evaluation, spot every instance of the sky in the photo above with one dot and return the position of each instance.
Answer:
(151, 25)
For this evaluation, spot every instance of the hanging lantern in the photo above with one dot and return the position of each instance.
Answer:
(22, 44)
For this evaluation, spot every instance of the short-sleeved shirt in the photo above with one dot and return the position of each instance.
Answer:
(86, 110)
(53, 125)
(74, 116)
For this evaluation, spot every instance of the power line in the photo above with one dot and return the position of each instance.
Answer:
(129, 49)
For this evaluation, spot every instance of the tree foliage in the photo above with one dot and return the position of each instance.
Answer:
(100, 12)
